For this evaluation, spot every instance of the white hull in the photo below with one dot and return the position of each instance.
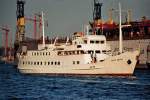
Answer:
(115, 65)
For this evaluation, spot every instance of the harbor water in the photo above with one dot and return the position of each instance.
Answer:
(16, 86)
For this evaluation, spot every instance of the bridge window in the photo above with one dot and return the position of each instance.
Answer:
(48, 63)
(73, 62)
(97, 42)
(85, 41)
(102, 42)
(91, 41)
(37, 63)
(97, 51)
(58, 63)
(78, 46)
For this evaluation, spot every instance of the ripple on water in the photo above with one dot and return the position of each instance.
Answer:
(19, 86)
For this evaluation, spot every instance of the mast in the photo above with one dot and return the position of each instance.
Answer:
(120, 30)
(43, 30)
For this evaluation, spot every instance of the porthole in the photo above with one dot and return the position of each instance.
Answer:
(55, 63)
(58, 63)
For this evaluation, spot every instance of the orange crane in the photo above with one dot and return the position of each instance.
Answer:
(6, 37)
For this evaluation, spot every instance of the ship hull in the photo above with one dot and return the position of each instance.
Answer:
(123, 64)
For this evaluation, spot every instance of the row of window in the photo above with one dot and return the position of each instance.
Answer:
(46, 63)
(76, 62)
(40, 53)
(96, 42)
(41, 63)
(63, 53)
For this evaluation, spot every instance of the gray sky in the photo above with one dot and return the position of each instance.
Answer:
(66, 16)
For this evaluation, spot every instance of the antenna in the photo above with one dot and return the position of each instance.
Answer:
(120, 30)
(43, 30)
(87, 29)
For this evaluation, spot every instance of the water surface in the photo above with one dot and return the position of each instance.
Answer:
(14, 85)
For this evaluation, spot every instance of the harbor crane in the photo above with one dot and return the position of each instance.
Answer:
(7, 30)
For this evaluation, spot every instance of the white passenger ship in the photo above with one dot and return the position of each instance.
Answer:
(86, 55)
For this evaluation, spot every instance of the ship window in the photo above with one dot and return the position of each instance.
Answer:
(97, 42)
(37, 53)
(51, 63)
(104, 51)
(66, 53)
(58, 63)
(23, 62)
(41, 63)
(49, 53)
(40, 53)
(102, 42)
(73, 52)
(55, 63)
(34, 63)
(82, 52)
(78, 46)
(90, 52)
(37, 63)
(46, 53)
(59, 53)
(45, 63)
(73, 62)
(91, 41)
(78, 62)
(85, 41)
(48, 63)
(97, 51)
(28, 63)
(43, 53)
(70, 52)
(32, 53)
(31, 63)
